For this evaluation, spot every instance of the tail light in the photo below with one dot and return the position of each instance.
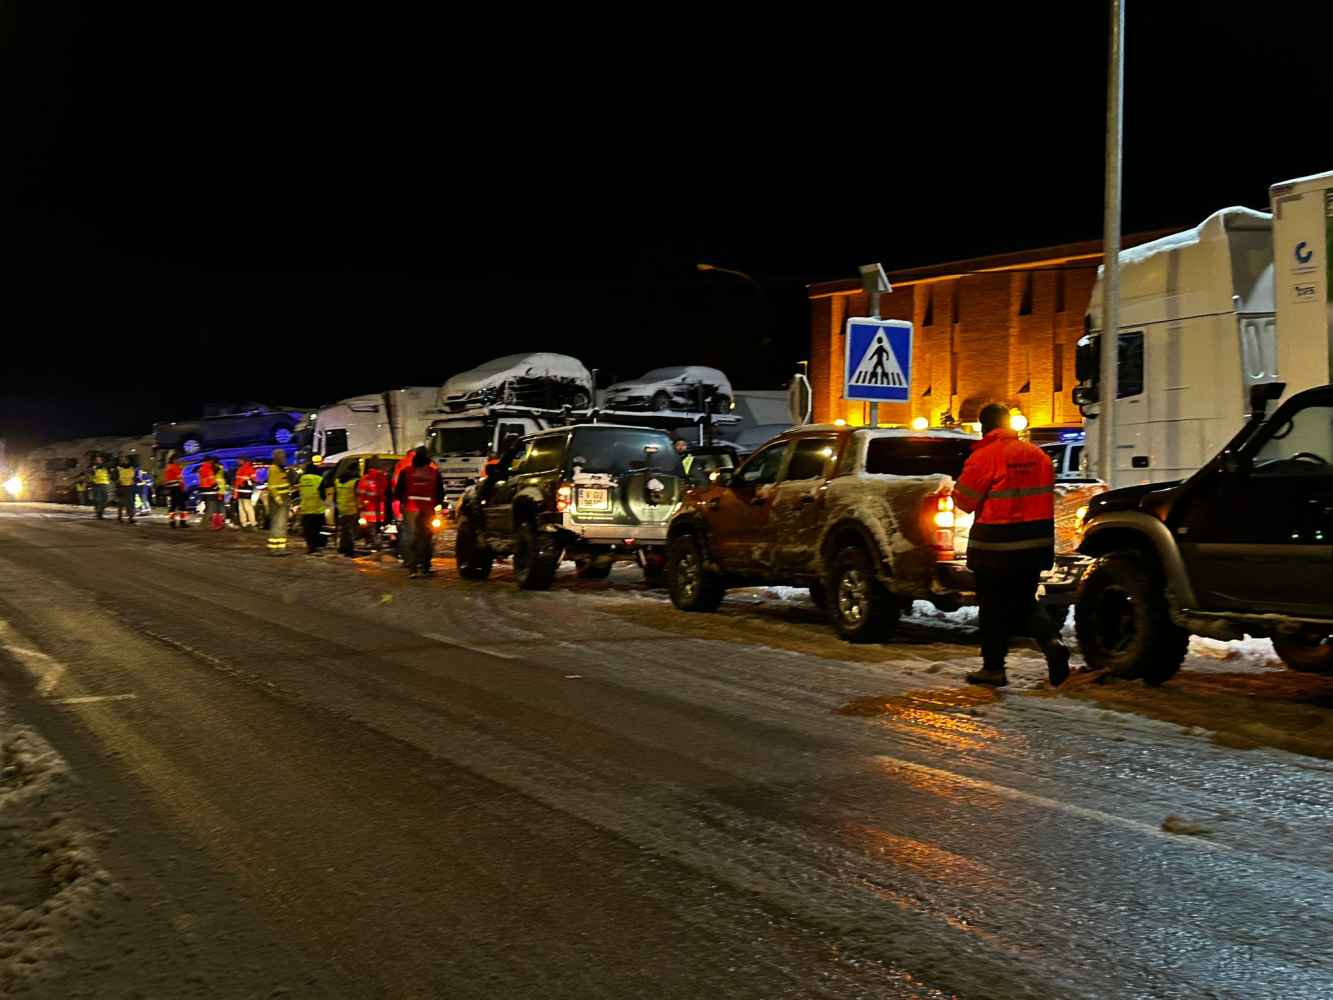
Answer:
(940, 518)
(564, 497)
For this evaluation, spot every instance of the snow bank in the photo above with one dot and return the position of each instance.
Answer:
(50, 881)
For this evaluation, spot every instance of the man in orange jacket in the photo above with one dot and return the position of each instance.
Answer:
(370, 491)
(1010, 485)
(173, 488)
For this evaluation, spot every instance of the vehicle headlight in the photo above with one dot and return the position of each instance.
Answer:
(14, 486)
(1080, 514)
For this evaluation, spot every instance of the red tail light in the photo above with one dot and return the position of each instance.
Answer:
(938, 524)
(564, 497)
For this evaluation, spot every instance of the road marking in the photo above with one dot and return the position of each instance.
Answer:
(88, 699)
(1004, 791)
(46, 671)
(469, 647)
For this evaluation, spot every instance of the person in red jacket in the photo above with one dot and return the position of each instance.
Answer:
(420, 491)
(1010, 485)
(173, 489)
(370, 493)
(393, 508)
(245, 493)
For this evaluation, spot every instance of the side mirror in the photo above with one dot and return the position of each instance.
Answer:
(1263, 394)
(1235, 463)
(722, 477)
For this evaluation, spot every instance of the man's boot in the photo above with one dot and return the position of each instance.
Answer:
(1057, 662)
(988, 678)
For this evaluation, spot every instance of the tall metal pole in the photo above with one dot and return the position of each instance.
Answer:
(1110, 339)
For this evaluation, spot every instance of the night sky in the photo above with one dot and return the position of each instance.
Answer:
(299, 207)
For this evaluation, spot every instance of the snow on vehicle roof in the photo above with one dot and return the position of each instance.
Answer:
(699, 372)
(538, 365)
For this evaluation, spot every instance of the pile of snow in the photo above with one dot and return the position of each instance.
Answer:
(965, 616)
(1248, 652)
(50, 881)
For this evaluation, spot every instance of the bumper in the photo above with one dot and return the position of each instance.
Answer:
(609, 533)
(1059, 584)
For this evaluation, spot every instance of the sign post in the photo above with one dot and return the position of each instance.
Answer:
(875, 282)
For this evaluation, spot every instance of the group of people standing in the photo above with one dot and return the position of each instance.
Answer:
(368, 498)
(132, 485)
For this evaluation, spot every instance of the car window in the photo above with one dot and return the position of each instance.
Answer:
(1303, 443)
(509, 433)
(764, 466)
(1055, 452)
(618, 450)
(545, 454)
(1076, 458)
(335, 441)
(917, 456)
(517, 463)
(810, 458)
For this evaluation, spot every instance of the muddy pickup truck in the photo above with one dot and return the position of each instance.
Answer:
(864, 518)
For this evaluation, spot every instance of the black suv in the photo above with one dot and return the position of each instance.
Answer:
(1244, 546)
(594, 493)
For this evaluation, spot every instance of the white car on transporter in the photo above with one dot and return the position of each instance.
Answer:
(678, 389)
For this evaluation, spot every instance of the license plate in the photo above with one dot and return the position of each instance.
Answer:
(593, 497)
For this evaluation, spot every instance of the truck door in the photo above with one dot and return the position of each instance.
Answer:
(1259, 537)
(798, 503)
(739, 523)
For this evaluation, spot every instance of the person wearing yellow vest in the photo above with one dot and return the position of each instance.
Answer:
(277, 492)
(311, 490)
(344, 500)
(125, 490)
(101, 485)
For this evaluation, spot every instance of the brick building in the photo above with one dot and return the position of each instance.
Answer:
(990, 329)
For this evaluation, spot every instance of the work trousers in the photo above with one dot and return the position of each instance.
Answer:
(312, 527)
(245, 510)
(347, 534)
(1008, 606)
(277, 527)
(420, 539)
(125, 498)
(99, 498)
(175, 497)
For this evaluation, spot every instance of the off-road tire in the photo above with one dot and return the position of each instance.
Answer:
(535, 559)
(692, 585)
(1123, 622)
(860, 608)
(474, 559)
(590, 570)
(1306, 653)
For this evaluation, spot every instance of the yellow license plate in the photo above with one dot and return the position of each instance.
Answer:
(593, 497)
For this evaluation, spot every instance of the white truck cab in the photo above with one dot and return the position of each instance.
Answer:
(391, 422)
(1197, 329)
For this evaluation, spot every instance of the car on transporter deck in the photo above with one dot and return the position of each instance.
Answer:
(594, 493)
(863, 517)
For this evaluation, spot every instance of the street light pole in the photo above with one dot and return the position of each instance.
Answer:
(1110, 336)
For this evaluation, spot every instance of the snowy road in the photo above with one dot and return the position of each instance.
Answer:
(230, 776)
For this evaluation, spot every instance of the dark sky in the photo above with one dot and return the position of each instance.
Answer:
(239, 204)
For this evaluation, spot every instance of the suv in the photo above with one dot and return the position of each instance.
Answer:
(594, 493)
(864, 518)
(1244, 546)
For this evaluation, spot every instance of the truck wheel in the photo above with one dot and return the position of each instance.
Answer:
(860, 608)
(535, 559)
(589, 569)
(474, 559)
(1310, 654)
(693, 586)
(1123, 623)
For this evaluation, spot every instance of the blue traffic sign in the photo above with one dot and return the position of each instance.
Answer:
(879, 360)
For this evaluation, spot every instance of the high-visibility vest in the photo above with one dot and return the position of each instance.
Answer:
(101, 477)
(245, 479)
(125, 475)
(279, 485)
(311, 502)
(1010, 484)
(345, 497)
(171, 476)
(421, 486)
(207, 479)
(370, 495)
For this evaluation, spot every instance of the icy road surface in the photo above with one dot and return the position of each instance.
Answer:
(230, 776)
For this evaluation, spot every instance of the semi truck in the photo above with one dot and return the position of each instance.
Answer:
(1240, 300)
(391, 422)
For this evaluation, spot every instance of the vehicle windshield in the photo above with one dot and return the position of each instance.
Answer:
(617, 450)
(461, 441)
(917, 456)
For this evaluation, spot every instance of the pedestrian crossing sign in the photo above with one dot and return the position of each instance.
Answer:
(879, 360)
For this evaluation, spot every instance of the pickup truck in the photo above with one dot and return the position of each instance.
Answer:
(1242, 547)
(863, 517)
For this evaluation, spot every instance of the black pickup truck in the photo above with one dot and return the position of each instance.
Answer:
(1244, 546)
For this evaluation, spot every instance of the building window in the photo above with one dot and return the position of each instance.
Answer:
(929, 319)
(1025, 298)
(1058, 368)
(957, 302)
(1059, 290)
